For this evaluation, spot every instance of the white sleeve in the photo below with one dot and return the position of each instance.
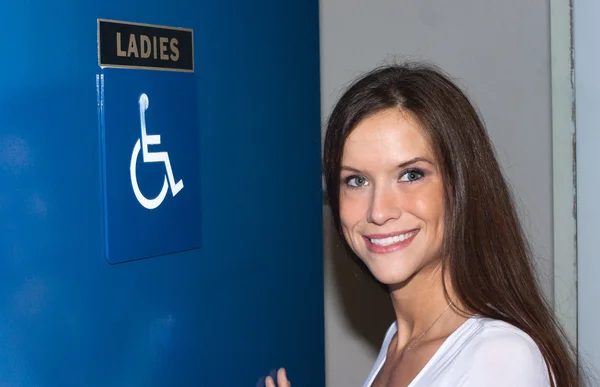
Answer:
(505, 358)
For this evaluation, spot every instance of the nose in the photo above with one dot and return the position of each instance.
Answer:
(385, 205)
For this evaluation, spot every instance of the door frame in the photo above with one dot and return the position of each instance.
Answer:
(563, 166)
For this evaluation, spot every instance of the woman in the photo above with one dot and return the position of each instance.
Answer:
(420, 199)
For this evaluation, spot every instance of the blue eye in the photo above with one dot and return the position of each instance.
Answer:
(356, 181)
(412, 175)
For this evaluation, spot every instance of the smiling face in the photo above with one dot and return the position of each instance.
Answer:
(391, 197)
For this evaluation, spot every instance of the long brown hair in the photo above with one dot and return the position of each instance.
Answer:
(484, 249)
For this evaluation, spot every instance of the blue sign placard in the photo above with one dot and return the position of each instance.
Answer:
(150, 161)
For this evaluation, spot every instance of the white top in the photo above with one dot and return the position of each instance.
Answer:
(481, 352)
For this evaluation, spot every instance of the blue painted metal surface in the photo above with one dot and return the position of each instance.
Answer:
(250, 299)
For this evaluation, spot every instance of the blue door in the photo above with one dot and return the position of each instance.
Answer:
(160, 218)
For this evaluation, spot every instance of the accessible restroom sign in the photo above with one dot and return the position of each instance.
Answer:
(150, 140)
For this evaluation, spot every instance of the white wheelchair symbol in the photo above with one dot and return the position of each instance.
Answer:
(151, 157)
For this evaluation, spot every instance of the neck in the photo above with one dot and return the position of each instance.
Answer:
(419, 302)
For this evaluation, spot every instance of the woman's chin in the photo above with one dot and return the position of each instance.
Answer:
(390, 278)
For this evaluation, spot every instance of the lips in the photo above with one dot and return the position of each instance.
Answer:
(387, 243)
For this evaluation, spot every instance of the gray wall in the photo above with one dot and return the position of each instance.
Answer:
(587, 86)
(500, 53)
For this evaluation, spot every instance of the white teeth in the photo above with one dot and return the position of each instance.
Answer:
(391, 240)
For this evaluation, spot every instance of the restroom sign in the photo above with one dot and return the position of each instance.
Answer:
(150, 158)
(145, 46)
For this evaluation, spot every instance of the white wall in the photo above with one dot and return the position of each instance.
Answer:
(500, 52)
(587, 86)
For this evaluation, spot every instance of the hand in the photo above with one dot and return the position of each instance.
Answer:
(282, 380)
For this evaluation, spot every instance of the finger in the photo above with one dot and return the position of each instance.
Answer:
(269, 382)
(282, 380)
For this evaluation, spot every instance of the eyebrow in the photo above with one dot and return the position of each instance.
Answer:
(401, 165)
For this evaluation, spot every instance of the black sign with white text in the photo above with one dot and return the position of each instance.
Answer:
(144, 46)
